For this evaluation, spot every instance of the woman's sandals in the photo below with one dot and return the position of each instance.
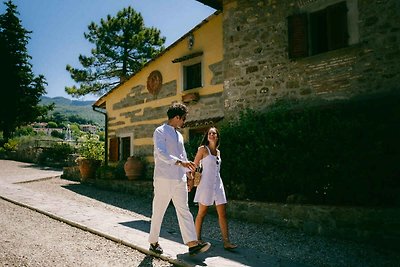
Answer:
(229, 246)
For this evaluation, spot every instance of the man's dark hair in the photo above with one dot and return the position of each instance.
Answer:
(177, 109)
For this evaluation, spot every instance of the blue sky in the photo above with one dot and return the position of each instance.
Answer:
(58, 25)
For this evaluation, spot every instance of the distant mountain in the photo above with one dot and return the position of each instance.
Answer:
(69, 107)
(59, 100)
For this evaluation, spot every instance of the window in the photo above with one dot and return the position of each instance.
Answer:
(119, 148)
(317, 32)
(192, 76)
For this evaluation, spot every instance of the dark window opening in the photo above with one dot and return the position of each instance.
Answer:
(192, 76)
(126, 147)
(318, 34)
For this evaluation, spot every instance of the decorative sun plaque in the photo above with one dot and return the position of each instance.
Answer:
(154, 82)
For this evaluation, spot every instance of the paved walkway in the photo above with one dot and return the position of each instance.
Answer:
(121, 228)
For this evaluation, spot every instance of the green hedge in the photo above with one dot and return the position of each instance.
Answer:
(343, 152)
(56, 155)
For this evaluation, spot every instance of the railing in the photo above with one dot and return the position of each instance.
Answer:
(49, 143)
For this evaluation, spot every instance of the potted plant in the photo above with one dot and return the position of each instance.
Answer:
(91, 154)
(134, 166)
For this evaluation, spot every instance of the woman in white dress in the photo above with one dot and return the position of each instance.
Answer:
(211, 188)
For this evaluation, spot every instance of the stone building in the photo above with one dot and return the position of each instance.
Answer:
(252, 52)
(307, 48)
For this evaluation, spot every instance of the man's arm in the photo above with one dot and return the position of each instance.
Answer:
(160, 148)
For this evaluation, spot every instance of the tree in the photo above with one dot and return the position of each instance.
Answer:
(18, 82)
(122, 46)
(52, 124)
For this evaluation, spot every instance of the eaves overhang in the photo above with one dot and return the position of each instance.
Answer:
(216, 4)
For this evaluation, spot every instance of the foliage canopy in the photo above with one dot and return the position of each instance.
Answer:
(122, 46)
(18, 81)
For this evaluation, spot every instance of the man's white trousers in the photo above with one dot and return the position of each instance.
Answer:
(166, 190)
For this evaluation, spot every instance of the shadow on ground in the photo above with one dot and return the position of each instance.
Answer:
(40, 167)
(140, 205)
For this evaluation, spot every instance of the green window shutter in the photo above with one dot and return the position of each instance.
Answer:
(298, 36)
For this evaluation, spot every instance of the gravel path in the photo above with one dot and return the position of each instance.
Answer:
(283, 243)
(28, 238)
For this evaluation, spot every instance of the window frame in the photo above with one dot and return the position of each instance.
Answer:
(185, 66)
(303, 28)
(121, 148)
(116, 150)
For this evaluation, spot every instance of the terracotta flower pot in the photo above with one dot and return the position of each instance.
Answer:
(133, 168)
(87, 168)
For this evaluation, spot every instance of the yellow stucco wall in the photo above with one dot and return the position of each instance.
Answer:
(130, 106)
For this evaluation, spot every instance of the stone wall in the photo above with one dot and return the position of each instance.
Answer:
(370, 225)
(257, 69)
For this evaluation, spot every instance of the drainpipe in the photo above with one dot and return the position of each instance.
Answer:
(104, 112)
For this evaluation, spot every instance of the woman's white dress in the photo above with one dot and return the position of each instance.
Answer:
(211, 189)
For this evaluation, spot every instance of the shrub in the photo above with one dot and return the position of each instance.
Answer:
(330, 152)
(192, 145)
(11, 145)
(119, 170)
(57, 154)
(57, 134)
(24, 131)
(90, 147)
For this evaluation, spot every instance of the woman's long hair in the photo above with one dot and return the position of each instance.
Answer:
(205, 142)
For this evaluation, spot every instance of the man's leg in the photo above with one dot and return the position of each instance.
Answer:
(185, 218)
(160, 203)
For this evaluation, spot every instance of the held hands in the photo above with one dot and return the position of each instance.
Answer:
(188, 164)
(191, 166)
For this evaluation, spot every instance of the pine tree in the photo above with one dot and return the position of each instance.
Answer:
(122, 46)
(18, 83)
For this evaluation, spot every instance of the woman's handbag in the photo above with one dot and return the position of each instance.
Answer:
(197, 175)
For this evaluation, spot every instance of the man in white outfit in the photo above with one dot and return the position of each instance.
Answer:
(170, 182)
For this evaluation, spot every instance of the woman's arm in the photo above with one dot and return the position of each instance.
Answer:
(199, 156)
(201, 153)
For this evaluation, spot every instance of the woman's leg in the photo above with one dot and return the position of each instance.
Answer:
(223, 224)
(201, 214)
